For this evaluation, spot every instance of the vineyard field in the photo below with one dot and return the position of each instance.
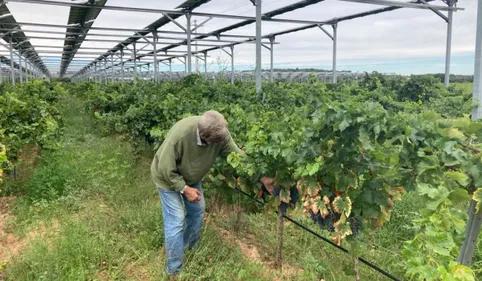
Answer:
(383, 166)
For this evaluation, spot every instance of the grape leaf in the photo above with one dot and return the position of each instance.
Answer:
(478, 198)
(342, 205)
(459, 195)
(460, 177)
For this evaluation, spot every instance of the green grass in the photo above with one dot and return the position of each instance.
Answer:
(102, 220)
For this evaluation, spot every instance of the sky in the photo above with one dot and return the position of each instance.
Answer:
(405, 41)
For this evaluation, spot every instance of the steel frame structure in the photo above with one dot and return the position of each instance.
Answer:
(114, 60)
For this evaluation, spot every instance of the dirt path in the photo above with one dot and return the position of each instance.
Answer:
(10, 244)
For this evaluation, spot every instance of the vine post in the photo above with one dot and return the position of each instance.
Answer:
(279, 255)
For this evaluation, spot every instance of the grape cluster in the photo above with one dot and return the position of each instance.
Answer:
(294, 194)
(329, 221)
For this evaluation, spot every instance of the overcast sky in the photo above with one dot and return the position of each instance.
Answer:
(403, 41)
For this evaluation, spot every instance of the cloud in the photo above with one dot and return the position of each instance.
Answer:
(395, 37)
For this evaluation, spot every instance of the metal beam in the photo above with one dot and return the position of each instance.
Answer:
(121, 29)
(163, 12)
(406, 5)
(444, 17)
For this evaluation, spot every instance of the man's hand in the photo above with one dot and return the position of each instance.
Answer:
(192, 194)
(268, 183)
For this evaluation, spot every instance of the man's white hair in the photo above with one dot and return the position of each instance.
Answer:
(213, 127)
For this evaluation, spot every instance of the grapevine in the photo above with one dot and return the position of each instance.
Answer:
(351, 150)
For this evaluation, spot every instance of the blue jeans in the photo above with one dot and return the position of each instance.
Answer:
(177, 234)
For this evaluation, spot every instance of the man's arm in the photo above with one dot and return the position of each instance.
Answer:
(167, 167)
(230, 146)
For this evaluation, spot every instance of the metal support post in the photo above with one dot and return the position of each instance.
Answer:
(449, 44)
(20, 67)
(189, 53)
(195, 50)
(232, 64)
(122, 63)
(258, 47)
(475, 220)
(185, 65)
(271, 40)
(477, 94)
(205, 62)
(135, 59)
(26, 70)
(156, 63)
(170, 69)
(335, 38)
(12, 69)
(112, 67)
(1, 73)
(105, 70)
(95, 72)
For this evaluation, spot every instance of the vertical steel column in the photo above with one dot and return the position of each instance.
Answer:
(477, 94)
(170, 68)
(449, 44)
(135, 59)
(20, 67)
(185, 65)
(156, 63)
(122, 63)
(1, 73)
(258, 47)
(195, 49)
(188, 62)
(26, 70)
(205, 62)
(95, 73)
(475, 220)
(271, 50)
(232, 63)
(335, 39)
(105, 70)
(112, 66)
(12, 69)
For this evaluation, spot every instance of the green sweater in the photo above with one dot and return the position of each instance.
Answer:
(183, 160)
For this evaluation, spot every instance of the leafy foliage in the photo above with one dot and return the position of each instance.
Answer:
(351, 149)
(28, 114)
